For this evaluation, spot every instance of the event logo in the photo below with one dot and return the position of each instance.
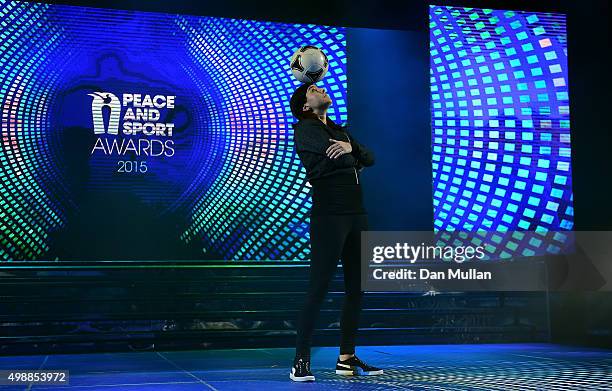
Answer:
(105, 99)
(132, 125)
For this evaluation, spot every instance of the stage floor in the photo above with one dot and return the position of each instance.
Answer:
(423, 367)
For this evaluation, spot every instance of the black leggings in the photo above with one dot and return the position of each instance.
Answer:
(333, 237)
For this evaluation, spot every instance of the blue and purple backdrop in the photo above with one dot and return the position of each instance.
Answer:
(211, 172)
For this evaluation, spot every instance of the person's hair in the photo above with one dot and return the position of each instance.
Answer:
(297, 104)
(297, 101)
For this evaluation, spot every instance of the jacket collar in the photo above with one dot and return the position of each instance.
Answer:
(330, 123)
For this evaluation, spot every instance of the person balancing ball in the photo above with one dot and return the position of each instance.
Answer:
(333, 160)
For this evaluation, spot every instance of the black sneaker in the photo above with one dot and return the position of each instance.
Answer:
(354, 366)
(300, 371)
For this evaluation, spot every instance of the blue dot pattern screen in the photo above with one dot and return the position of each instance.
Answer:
(500, 120)
(234, 188)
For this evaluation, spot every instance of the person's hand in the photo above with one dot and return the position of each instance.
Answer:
(338, 148)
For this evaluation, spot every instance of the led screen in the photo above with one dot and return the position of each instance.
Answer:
(135, 135)
(131, 135)
(500, 122)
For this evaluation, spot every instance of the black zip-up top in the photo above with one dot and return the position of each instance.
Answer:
(335, 182)
(311, 137)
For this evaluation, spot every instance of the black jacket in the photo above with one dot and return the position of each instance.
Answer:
(311, 138)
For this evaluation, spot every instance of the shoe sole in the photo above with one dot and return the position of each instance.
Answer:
(346, 372)
(303, 378)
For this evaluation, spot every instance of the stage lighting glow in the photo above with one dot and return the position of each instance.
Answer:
(233, 184)
(500, 120)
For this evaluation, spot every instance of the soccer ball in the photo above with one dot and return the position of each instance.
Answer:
(309, 64)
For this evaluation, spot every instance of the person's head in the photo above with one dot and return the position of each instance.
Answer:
(308, 100)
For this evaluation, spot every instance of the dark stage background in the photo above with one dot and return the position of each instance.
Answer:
(118, 307)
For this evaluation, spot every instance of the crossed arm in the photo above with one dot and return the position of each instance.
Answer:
(312, 138)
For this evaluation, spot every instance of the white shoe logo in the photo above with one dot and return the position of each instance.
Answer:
(344, 365)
